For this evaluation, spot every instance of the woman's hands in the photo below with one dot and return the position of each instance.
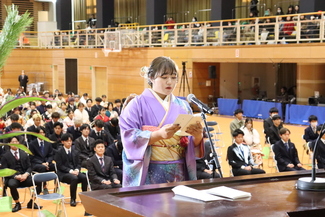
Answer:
(165, 132)
(196, 130)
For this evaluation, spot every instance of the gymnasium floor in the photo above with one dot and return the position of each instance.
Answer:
(223, 122)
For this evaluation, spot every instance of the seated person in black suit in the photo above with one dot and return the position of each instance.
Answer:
(14, 118)
(285, 153)
(75, 130)
(18, 160)
(320, 155)
(56, 137)
(118, 106)
(49, 126)
(268, 122)
(37, 118)
(84, 145)
(203, 170)
(42, 157)
(101, 169)
(15, 127)
(113, 127)
(98, 133)
(114, 151)
(311, 131)
(96, 108)
(68, 167)
(273, 133)
(240, 157)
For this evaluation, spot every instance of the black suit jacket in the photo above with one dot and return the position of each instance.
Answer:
(74, 132)
(57, 142)
(62, 162)
(30, 138)
(89, 113)
(73, 108)
(96, 175)
(38, 157)
(320, 155)
(94, 110)
(114, 154)
(235, 158)
(104, 135)
(41, 109)
(114, 131)
(201, 164)
(23, 81)
(267, 123)
(84, 151)
(309, 134)
(283, 157)
(273, 134)
(49, 128)
(8, 161)
(118, 110)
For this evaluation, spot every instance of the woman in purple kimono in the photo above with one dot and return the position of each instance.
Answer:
(153, 151)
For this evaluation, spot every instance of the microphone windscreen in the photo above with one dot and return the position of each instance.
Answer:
(190, 97)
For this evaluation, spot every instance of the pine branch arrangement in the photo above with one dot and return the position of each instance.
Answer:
(14, 25)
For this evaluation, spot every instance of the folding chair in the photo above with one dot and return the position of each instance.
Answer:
(85, 170)
(275, 162)
(45, 177)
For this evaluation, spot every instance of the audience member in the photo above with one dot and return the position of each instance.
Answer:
(56, 137)
(311, 131)
(49, 126)
(279, 11)
(68, 168)
(114, 151)
(18, 160)
(272, 134)
(268, 122)
(239, 156)
(113, 128)
(320, 154)
(118, 106)
(203, 170)
(285, 153)
(99, 133)
(110, 112)
(238, 122)
(75, 129)
(102, 115)
(81, 113)
(71, 104)
(84, 145)
(101, 169)
(96, 108)
(37, 122)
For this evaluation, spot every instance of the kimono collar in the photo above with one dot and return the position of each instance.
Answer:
(165, 102)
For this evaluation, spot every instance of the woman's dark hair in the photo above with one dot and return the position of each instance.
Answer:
(249, 120)
(38, 129)
(160, 66)
(110, 103)
(57, 124)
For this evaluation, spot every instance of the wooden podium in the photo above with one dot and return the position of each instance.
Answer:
(272, 195)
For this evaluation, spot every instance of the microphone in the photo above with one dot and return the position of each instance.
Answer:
(191, 98)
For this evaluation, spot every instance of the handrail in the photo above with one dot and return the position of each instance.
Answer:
(248, 31)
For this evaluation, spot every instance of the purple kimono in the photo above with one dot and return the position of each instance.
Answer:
(146, 110)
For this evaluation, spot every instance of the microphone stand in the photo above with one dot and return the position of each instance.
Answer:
(313, 183)
(216, 164)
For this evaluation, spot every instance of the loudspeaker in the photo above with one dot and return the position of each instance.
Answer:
(212, 72)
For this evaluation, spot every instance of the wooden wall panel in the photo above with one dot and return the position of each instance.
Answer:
(123, 69)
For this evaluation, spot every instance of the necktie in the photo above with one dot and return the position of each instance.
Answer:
(16, 156)
(287, 146)
(98, 134)
(241, 150)
(69, 154)
(87, 142)
(314, 129)
(102, 163)
(42, 147)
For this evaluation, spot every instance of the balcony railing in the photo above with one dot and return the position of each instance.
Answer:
(255, 31)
